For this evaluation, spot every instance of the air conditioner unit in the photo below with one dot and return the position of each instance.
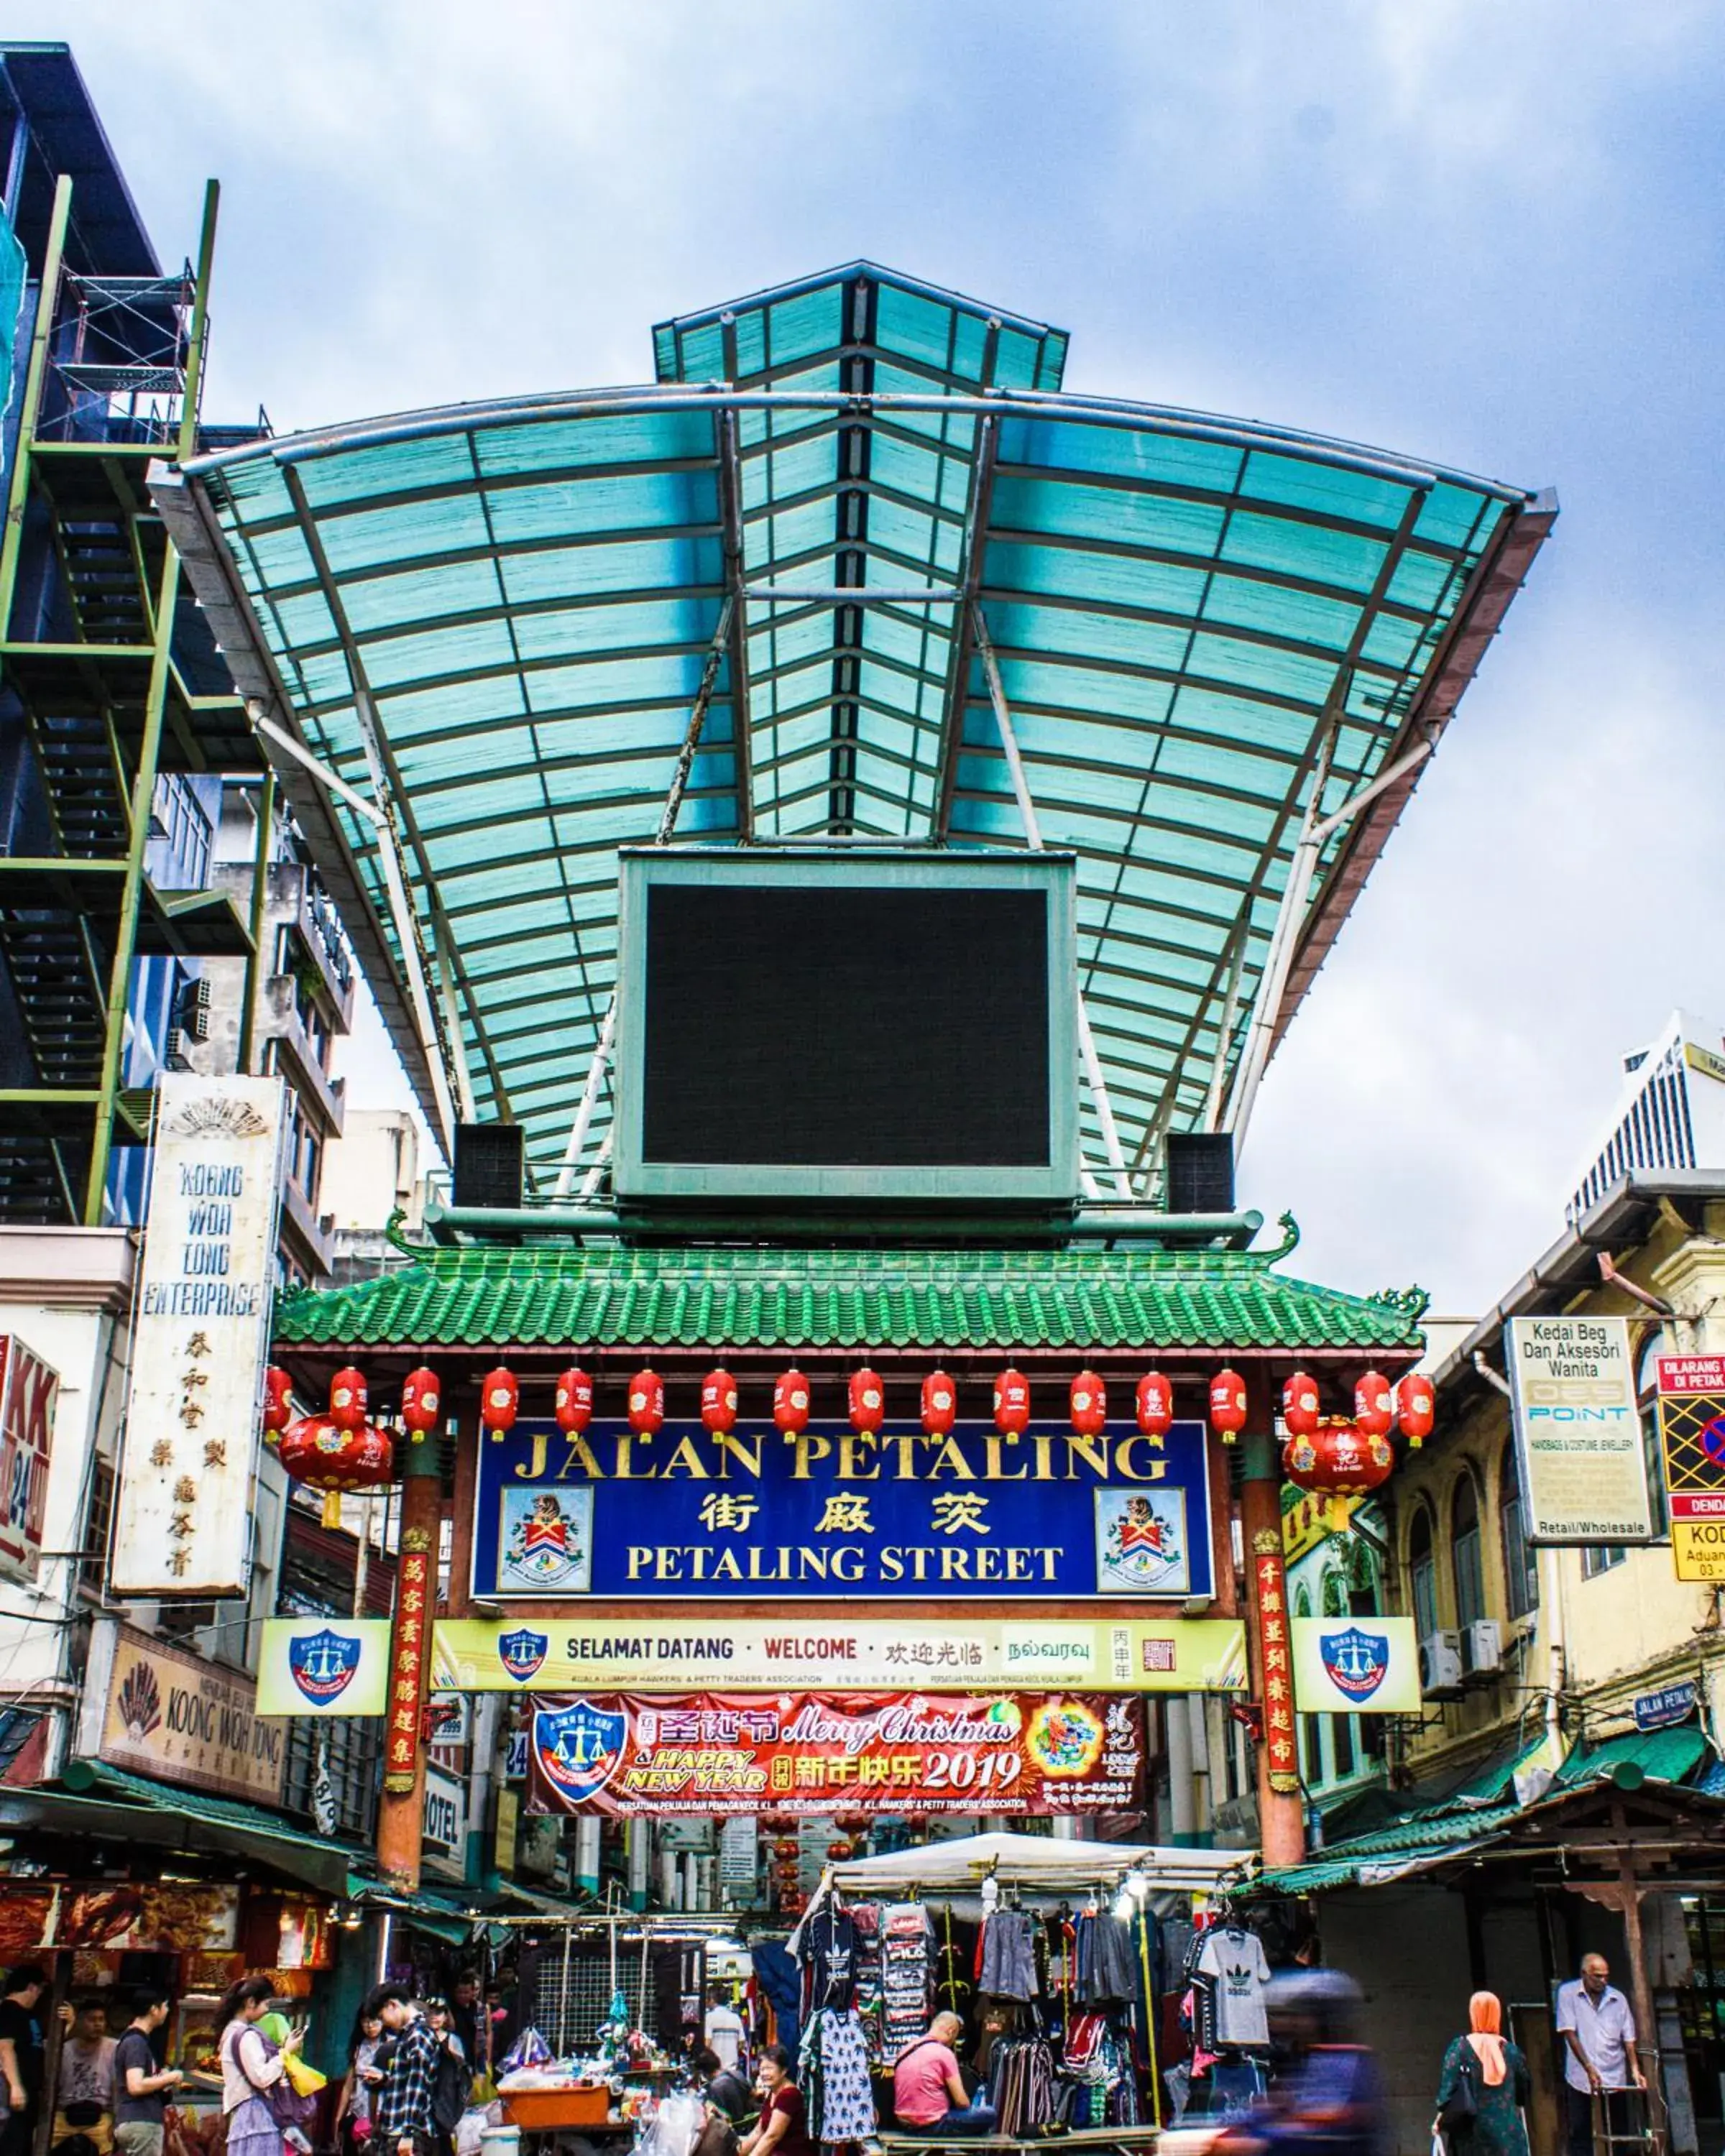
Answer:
(1441, 1666)
(175, 1052)
(192, 1009)
(1481, 1650)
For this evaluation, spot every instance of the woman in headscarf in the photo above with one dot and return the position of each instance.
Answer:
(1497, 2074)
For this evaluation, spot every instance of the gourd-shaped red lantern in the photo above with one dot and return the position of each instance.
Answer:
(421, 1398)
(498, 1396)
(278, 1401)
(790, 1401)
(1012, 1402)
(574, 1407)
(940, 1404)
(787, 1850)
(1373, 1410)
(1090, 1405)
(347, 1398)
(646, 1402)
(1156, 1404)
(1416, 1407)
(331, 1456)
(868, 1401)
(839, 1851)
(1339, 1459)
(718, 1401)
(1228, 1404)
(1300, 1404)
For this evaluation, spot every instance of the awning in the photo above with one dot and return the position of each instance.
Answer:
(1037, 1862)
(1637, 1756)
(101, 1803)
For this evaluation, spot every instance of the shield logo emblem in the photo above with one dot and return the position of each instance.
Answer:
(578, 1748)
(522, 1653)
(322, 1664)
(1356, 1662)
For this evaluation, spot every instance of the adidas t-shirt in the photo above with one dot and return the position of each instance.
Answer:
(1235, 1961)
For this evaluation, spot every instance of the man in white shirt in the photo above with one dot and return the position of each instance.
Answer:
(724, 2032)
(1599, 2033)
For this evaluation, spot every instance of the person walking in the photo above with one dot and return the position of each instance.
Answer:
(21, 2057)
(141, 2088)
(84, 2096)
(403, 2107)
(353, 2108)
(1498, 2081)
(251, 2066)
(1599, 2033)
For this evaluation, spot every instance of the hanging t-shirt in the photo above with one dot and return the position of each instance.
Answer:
(1235, 1962)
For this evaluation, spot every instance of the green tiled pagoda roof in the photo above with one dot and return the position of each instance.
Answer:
(712, 1296)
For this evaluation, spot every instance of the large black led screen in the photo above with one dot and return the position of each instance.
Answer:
(846, 1026)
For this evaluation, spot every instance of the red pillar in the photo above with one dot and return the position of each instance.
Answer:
(1281, 1812)
(401, 1808)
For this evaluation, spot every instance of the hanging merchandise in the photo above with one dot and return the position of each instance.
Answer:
(1023, 2085)
(1006, 1959)
(1107, 1962)
(1233, 1959)
(833, 2075)
(906, 1976)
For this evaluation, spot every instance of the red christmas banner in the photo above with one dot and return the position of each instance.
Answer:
(1023, 1754)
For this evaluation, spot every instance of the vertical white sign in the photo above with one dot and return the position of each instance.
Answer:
(1578, 1429)
(182, 1514)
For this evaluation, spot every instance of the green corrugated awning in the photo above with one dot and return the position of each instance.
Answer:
(493, 621)
(1654, 1755)
(731, 1297)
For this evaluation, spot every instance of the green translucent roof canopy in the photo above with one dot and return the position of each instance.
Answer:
(493, 622)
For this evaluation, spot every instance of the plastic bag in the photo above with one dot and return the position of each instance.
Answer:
(674, 2127)
(469, 2131)
(529, 2048)
(305, 2080)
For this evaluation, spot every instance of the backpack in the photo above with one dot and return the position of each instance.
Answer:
(451, 2081)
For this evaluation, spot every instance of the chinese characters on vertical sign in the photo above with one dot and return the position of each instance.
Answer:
(183, 1513)
(1276, 1676)
(406, 1683)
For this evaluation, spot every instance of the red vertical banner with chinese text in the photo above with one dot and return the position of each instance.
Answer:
(1276, 1673)
(407, 1672)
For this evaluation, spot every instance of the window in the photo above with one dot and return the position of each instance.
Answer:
(1335, 1595)
(1658, 1503)
(1312, 1737)
(98, 1524)
(1422, 1574)
(348, 1768)
(1342, 1742)
(1600, 1556)
(1466, 1552)
(1521, 1561)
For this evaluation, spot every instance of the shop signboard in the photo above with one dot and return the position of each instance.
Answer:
(182, 1522)
(1355, 1665)
(29, 1393)
(1664, 1709)
(1577, 1430)
(823, 1512)
(1692, 1436)
(174, 1716)
(324, 1665)
(442, 1839)
(567, 1653)
(1031, 1755)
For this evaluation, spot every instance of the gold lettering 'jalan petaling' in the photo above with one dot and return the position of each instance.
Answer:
(697, 1457)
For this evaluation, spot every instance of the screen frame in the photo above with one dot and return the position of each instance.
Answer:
(634, 1178)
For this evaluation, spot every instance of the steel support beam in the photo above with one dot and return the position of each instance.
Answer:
(698, 720)
(741, 722)
(1032, 836)
(321, 772)
(972, 547)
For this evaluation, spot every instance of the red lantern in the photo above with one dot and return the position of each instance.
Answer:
(718, 1401)
(855, 1823)
(790, 1402)
(347, 1398)
(646, 1402)
(325, 1456)
(1228, 1404)
(1156, 1404)
(1090, 1405)
(868, 1401)
(421, 1397)
(1372, 1408)
(1416, 1407)
(499, 1396)
(839, 1851)
(1339, 1459)
(574, 1401)
(1299, 1405)
(277, 1400)
(788, 1849)
(940, 1403)
(1012, 1402)
(778, 1823)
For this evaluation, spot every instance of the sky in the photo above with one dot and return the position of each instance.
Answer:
(1487, 235)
